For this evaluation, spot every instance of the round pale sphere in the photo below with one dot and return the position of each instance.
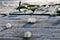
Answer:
(31, 20)
(8, 25)
(53, 13)
(58, 8)
(27, 34)
(7, 13)
(47, 6)
(29, 12)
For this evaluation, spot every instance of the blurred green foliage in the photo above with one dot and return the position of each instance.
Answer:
(29, 7)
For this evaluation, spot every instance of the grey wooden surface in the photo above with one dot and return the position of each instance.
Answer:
(46, 28)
